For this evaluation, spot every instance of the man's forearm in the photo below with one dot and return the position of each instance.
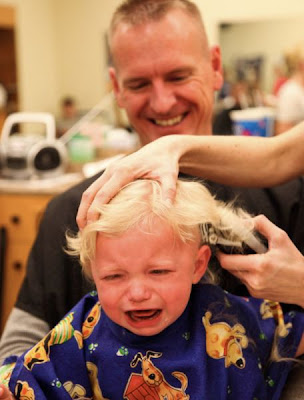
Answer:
(17, 337)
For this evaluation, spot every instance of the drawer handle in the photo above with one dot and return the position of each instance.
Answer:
(17, 265)
(15, 219)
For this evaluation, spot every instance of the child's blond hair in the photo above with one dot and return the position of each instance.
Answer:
(194, 211)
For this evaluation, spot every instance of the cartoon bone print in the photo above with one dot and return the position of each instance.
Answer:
(155, 378)
(76, 391)
(224, 341)
(273, 309)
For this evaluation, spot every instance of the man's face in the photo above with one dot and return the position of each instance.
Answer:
(165, 76)
(144, 280)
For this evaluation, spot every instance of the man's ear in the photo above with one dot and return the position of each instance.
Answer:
(116, 87)
(216, 61)
(201, 263)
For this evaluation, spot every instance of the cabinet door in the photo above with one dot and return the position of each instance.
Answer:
(20, 215)
(19, 218)
(13, 274)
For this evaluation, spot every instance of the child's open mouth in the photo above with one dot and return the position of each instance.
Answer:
(140, 315)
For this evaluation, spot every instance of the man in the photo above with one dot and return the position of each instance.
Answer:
(164, 74)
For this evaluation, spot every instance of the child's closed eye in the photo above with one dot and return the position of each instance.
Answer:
(160, 271)
(112, 277)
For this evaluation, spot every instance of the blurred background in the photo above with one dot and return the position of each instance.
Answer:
(50, 49)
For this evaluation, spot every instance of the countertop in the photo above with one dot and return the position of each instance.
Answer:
(40, 186)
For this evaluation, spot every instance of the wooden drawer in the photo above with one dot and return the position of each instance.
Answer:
(20, 215)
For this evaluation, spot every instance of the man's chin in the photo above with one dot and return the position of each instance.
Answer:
(158, 133)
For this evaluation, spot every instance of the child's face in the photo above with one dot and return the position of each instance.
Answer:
(144, 280)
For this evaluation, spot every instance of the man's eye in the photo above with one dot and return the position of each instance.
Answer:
(137, 86)
(178, 78)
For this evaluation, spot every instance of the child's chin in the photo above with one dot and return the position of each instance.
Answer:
(146, 332)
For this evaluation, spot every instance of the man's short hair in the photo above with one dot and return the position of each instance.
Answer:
(137, 12)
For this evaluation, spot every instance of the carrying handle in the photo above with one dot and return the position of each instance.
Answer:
(20, 117)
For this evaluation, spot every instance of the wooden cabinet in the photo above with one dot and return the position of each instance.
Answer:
(19, 220)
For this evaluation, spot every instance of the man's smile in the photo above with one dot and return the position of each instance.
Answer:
(170, 121)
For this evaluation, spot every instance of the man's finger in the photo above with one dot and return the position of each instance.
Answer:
(168, 185)
(87, 199)
(236, 262)
(105, 194)
(264, 226)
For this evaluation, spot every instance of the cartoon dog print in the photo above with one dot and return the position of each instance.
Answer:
(88, 325)
(76, 391)
(155, 378)
(40, 353)
(224, 341)
(62, 332)
(23, 391)
(272, 309)
(93, 376)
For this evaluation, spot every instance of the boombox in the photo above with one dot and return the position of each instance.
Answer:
(26, 155)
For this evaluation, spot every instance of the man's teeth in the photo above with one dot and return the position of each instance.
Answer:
(169, 122)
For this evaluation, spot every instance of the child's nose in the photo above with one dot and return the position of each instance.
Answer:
(138, 291)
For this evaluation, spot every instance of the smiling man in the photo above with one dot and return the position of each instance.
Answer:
(164, 74)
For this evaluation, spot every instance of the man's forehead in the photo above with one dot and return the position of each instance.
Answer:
(134, 46)
(173, 20)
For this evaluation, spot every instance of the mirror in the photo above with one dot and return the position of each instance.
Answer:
(256, 47)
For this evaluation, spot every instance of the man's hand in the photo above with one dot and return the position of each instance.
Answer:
(276, 275)
(157, 160)
(5, 394)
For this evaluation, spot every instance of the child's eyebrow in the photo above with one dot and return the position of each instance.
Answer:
(111, 267)
(160, 263)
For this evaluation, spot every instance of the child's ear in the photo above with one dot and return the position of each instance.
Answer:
(201, 263)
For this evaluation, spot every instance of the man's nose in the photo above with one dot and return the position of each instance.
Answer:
(162, 98)
(138, 291)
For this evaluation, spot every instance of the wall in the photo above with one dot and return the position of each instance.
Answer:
(218, 11)
(36, 54)
(80, 36)
(60, 43)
